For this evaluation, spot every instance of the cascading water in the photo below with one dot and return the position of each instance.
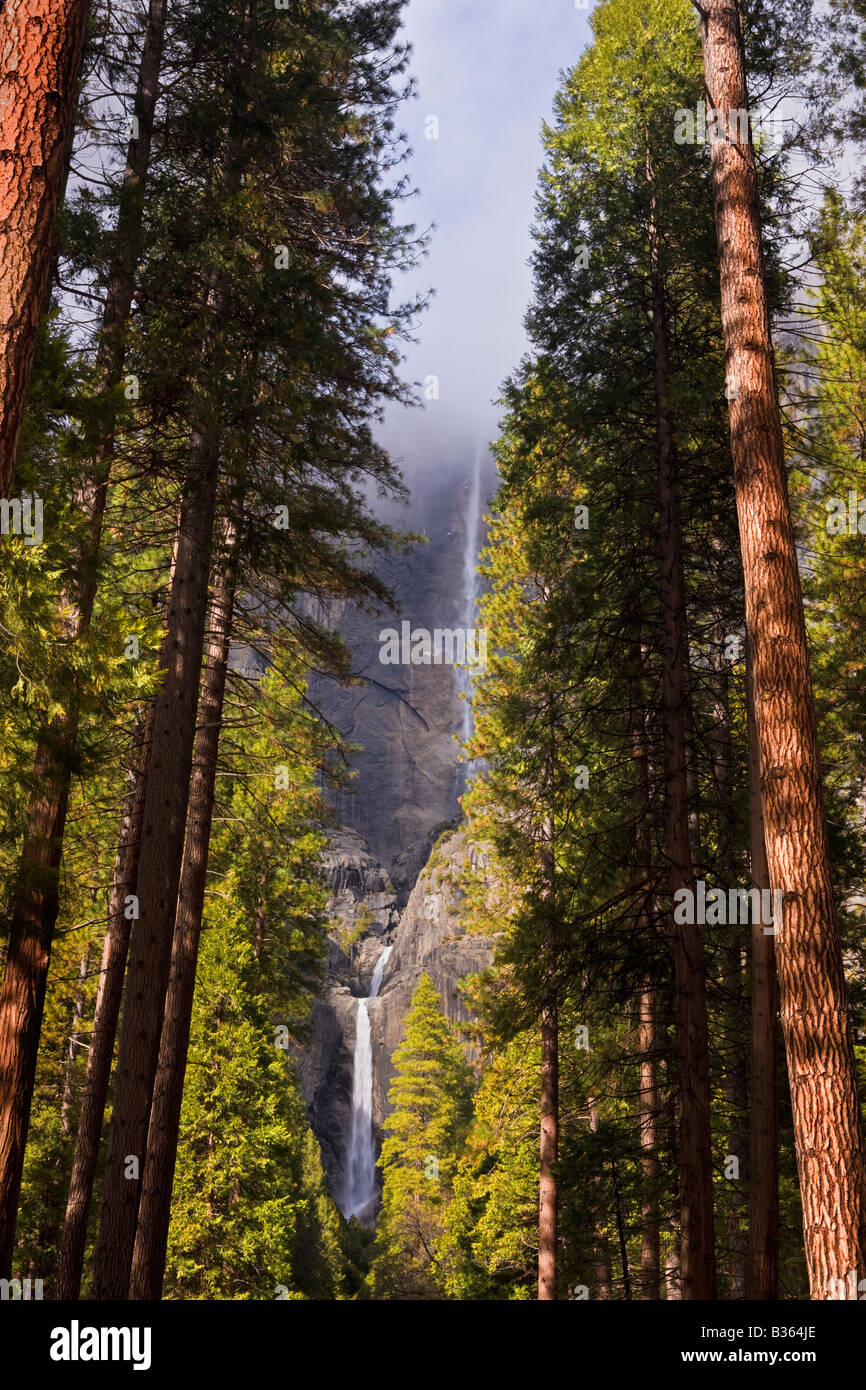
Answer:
(469, 593)
(361, 1186)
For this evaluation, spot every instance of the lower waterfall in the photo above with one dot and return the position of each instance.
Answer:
(361, 1188)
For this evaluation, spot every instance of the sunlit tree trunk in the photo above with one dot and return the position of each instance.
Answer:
(828, 1126)
(41, 49)
(36, 902)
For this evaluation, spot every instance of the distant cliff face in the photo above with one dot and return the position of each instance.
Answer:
(406, 718)
(386, 889)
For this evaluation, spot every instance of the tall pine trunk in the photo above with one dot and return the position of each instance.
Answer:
(763, 1267)
(148, 1265)
(548, 1150)
(163, 828)
(695, 1147)
(36, 900)
(41, 50)
(105, 1019)
(168, 786)
(828, 1126)
(648, 1089)
(648, 1104)
(549, 1125)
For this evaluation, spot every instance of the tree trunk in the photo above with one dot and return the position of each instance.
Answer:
(36, 902)
(828, 1126)
(22, 997)
(41, 51)
(696, 1185)
(148, 1265)
(548, 1151)
(167, 795)
(73, 1045)
(107, 1012)
(601, 1260)
(621, 1236)
(736, 1067)
(648, 1094)
(648, 1101)
(763, 1268)
(163, 827)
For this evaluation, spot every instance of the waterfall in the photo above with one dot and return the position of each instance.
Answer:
(361, 1186)
(470, 584)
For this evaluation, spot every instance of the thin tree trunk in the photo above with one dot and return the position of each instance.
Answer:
(41, 51)
(620, 1230)
(763, 1269)
(674, 1270)
(648, 1094)
(736, 1066)
(166, 798)
(696, 1186)
(548, 1151)
(673, 1255)
(148, 1265)
(107, 1012)
(828, 1125)
(549, 1123)
(37, 899)
(603, 1284)
(648, 1101)
(74, 1045)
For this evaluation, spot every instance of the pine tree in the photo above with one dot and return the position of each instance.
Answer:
(812, 990)
(429, 1099)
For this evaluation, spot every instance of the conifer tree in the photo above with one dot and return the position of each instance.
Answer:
(812, 990)
(429, 1099)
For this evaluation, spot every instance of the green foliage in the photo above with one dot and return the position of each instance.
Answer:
(250, 1211)
(429, 1099)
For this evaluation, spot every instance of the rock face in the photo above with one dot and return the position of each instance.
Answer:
(405, 719)
(428, 935)
(364, 911)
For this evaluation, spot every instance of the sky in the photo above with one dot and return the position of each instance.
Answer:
(488, 71)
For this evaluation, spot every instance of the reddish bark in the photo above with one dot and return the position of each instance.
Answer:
(41, 49)
(828, 1126)
(36, 902)
(148, 1265)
